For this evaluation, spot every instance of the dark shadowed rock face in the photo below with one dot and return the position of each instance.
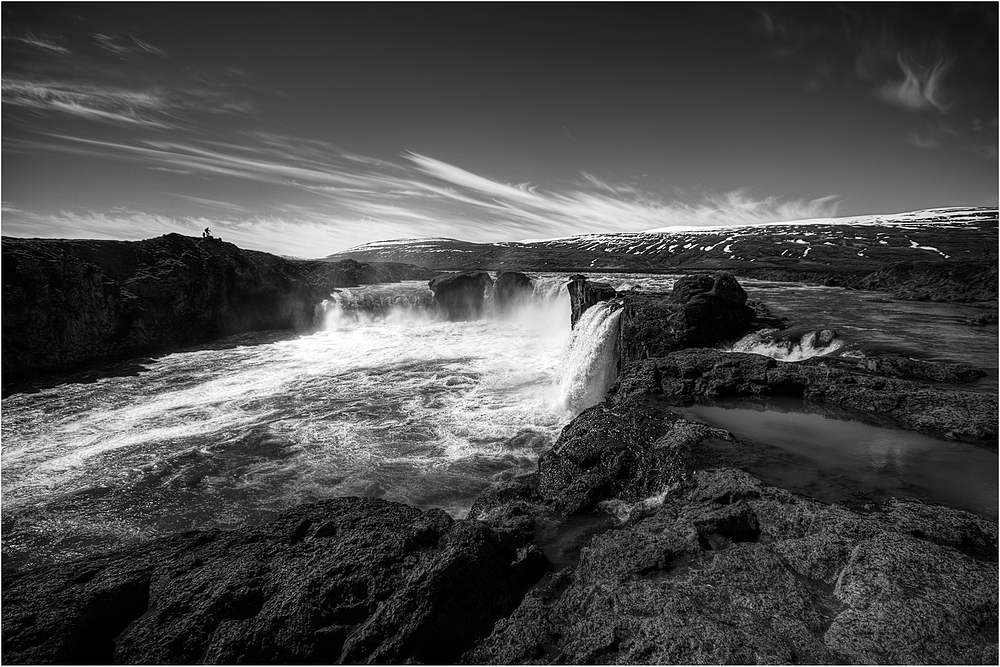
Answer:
(346, 580)
(68, 303)
(697, 374)
(461, 295)
(701, 311)
(511, 290)
(584, 293)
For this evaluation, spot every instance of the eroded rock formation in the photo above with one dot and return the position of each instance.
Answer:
(701, 311)
(345, 580)
(584, 293)
(461, 295)
(705, 374)
(511, 289)
(723, 569)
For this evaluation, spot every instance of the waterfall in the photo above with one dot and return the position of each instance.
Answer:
(591, 360)
(549, 290)
(545, 309)
(378, 304)
(783, 346)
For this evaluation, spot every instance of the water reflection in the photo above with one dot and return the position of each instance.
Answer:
(817, 451)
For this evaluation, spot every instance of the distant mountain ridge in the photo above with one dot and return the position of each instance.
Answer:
(855, 243)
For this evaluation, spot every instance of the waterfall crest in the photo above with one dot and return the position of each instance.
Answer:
(379, 304)
(591, 360)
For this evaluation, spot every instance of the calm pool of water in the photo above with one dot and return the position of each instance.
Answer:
(811, 450)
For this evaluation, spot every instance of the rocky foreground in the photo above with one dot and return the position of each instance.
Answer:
(70, 303)
(637, 540)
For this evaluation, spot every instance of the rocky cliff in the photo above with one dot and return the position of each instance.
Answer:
(69, 303)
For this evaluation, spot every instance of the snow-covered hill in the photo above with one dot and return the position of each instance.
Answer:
(852, 242)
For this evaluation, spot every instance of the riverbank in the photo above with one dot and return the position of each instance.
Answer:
(72, 303)
(667, 552)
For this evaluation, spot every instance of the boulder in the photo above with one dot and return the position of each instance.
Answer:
(461, 295)
(584, 293)
(701, 311)
(511, 290)
(343, 580)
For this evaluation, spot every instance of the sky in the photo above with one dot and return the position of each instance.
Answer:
(307, 129)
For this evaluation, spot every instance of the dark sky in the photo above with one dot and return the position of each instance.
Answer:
(306, 129)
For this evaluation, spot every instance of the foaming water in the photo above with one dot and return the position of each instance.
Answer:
(813, 451)
(770, 343)
(388, 402)
(591, 360)
(380, 304)
(870, 323)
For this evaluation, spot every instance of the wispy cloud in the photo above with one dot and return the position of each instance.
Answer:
(110, 77)
(336, 199)
(31, 39)
(87, 100)
(922, 141)
(920, 88)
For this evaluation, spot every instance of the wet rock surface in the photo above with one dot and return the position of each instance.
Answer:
(726, 570)
(585, 293)
(974, 280)
(692, 374)
(461, 295)
(511, 290)
(701, 311)
(344, 580)
(69, 303)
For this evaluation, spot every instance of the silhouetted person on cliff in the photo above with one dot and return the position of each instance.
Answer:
(207, 234)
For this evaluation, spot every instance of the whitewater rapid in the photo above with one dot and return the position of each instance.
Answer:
(388, 400)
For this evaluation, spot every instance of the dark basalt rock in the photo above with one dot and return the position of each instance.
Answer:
(584, 293)
(970, 280)
(915, 369)
(699, 373)
(461, 295)
(344, 580)
(764, 318)
(701, 311)
(726, 570)
(611, 453)
(709, 565)
(69, 303)
(511, 290)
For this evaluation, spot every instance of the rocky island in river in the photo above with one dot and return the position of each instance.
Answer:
(642, 537)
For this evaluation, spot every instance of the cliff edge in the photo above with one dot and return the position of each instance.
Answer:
(69, 303)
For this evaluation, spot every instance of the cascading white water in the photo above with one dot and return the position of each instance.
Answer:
(390, 402)
(548, 290)
(379, 304)
(765, 343)
(591, 360)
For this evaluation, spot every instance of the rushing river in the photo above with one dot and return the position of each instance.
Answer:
(387, 400)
